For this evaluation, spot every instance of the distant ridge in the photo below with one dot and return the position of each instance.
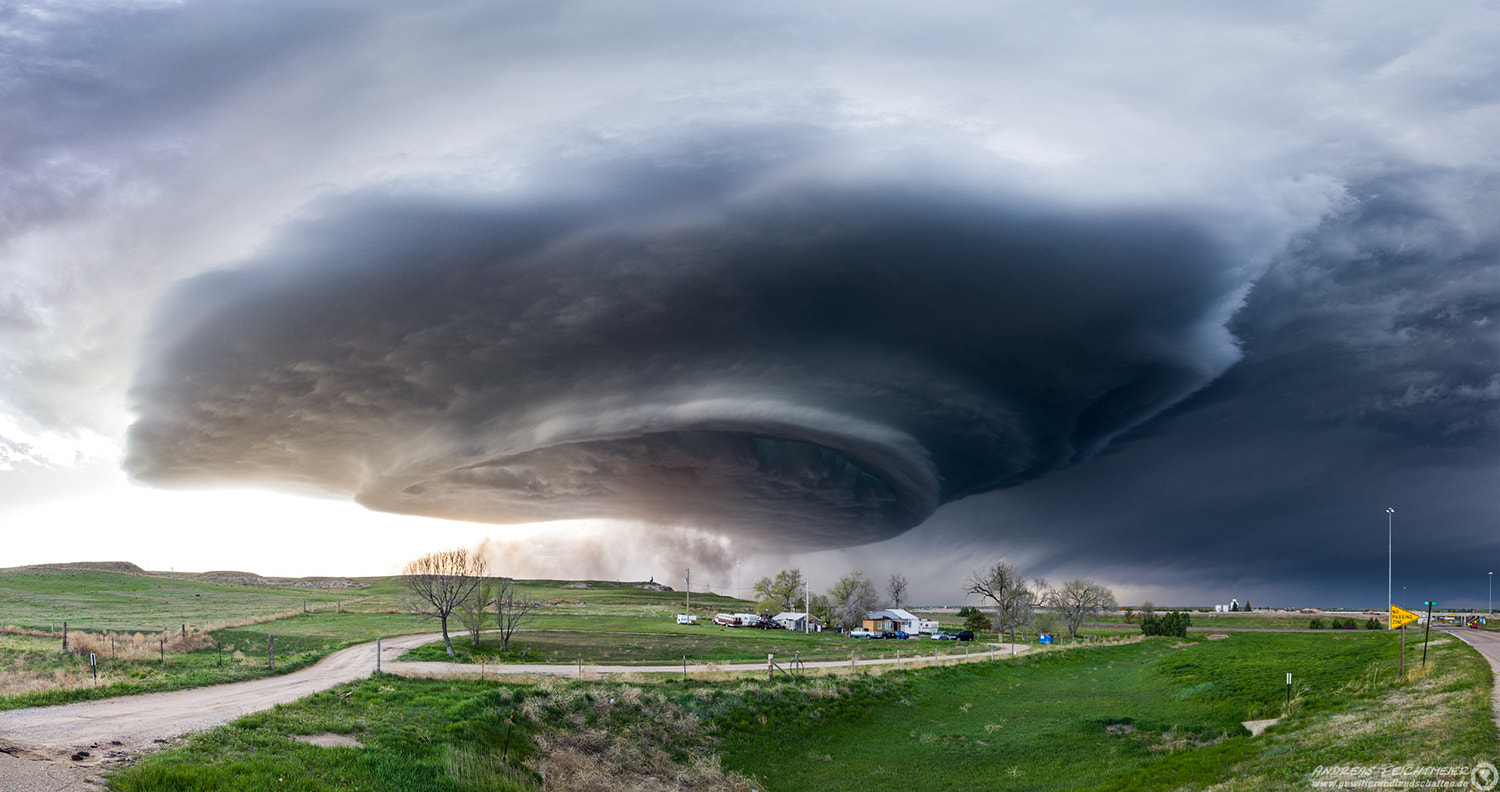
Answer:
(98, 566)
(252, 579)
(217, 576)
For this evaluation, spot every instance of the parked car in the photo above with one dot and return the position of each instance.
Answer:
(892, 634)
(964, 635)
(860, 632)
(944, 636)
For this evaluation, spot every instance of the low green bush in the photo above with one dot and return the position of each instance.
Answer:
(1175, 623)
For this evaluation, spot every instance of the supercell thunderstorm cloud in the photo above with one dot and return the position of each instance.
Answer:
(1176, 296)
(821, 364)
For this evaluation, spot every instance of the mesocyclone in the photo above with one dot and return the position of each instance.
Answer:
(813, 364)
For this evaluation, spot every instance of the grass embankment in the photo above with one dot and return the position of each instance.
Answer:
(1159, 714)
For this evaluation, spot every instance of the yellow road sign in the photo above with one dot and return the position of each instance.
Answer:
(1401, 617)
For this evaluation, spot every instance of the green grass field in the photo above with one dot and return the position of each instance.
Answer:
(97, 600)
(1156, 714)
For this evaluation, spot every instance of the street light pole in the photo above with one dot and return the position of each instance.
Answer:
(1389, 516)
(1492, 593)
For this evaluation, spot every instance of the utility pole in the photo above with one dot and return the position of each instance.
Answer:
(687, 584)
(1426, 632)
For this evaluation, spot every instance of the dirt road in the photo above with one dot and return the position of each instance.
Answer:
(53, 749)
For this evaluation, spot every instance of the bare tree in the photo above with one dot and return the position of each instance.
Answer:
(512, 609)
(1148, 608)
(438, 583)
(781, 593)
(1002, 584)
(1043, 617)
(852, 597)
(1079, 598)
(474, 611)
(896, 589)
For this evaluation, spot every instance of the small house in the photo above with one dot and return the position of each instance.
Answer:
(911, 624)
(883, 620)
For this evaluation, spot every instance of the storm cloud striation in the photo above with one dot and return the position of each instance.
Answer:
(814, 362)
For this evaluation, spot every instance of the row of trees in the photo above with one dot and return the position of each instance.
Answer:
(457, 584)
(1017, 601)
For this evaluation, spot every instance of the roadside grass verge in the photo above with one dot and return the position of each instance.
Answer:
(417, 736)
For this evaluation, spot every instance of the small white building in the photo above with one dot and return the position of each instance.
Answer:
(798, 622)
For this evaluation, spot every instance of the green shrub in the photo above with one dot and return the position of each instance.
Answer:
(1315, 624)
(1174, 623)
(1372, 623)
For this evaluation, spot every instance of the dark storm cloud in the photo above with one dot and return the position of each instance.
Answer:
(1370, 378)
(820, 362)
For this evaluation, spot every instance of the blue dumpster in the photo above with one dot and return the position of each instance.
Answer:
(1046, 639)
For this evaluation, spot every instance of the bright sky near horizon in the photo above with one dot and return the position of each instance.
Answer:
(1177, 296)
